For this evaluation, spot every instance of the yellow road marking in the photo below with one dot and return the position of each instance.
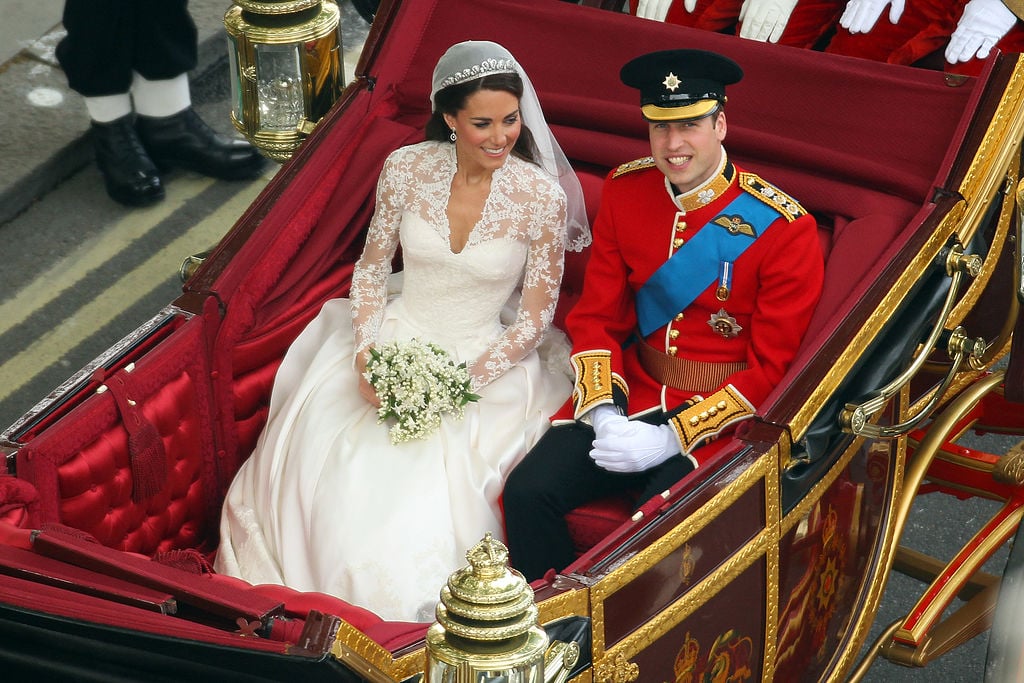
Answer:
(92, 254)
(17, 370)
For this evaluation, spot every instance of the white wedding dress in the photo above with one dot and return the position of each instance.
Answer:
(326, 502)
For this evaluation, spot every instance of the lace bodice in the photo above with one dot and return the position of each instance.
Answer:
(518, 240)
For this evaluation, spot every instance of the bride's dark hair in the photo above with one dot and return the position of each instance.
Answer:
(452, 100)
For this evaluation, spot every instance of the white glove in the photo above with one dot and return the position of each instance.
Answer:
(765, 20)
(655, 9)
(980, 27)
(604, 420)
(634, 446)
(860, 15)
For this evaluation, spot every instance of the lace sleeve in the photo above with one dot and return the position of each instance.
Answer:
(542, 280)
(370, 275)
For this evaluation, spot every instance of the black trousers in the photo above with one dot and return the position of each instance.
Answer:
(557, 476)
(108, 39)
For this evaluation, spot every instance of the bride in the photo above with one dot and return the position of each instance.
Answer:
(484, 210)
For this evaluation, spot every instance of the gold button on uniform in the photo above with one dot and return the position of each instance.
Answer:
(673, 334)
(679, 316)
(677, 242)
(672, 350)
(681, 225)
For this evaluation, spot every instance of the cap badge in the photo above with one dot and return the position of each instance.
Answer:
(735, 225)
(724, 324)
(671, 82)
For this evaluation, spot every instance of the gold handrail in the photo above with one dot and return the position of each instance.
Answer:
(856, 418)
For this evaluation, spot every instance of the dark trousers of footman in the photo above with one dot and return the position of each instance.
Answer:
(109, 39)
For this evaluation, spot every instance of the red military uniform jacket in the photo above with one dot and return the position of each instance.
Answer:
(735, 347)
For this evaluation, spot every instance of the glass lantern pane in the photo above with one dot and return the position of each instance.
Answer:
(532, 672)
(279, 87)
(236, 78)
(440, 672)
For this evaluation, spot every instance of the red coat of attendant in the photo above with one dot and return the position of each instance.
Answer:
(924, 28)
(775, 286)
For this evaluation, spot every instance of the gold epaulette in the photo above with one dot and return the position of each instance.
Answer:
(706, 419)
(635, 165)
(771, 195)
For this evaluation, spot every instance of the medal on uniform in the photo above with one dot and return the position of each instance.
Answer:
(724, 280)
(724, 324)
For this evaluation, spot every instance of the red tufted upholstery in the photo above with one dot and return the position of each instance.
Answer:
(82, 470)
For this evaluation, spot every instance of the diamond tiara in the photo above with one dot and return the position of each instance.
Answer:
(484, 68)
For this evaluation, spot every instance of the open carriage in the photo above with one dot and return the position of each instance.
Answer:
(768, 562)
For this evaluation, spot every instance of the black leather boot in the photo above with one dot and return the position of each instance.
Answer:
(184, 140)
(130, 175)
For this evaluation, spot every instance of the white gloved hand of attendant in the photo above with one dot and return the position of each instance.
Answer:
(860, 15)
(982, 25)
(765, 20)
(655, 9)
(634, 446)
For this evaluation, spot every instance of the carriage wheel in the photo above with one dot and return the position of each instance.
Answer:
(1005, 660)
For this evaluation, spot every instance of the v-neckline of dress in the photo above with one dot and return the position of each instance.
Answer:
(453, 167)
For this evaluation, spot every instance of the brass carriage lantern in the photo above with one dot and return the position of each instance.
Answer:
(286, 69)
(486, 629)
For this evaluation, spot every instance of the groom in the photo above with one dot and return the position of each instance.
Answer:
(700, 285)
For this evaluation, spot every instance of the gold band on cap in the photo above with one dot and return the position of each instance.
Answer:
(697, 110)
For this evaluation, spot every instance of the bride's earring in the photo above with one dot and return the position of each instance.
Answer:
(452, 137)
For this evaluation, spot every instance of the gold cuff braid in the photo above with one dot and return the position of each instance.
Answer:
(707, 419)
(594, 380)
(1015, 6)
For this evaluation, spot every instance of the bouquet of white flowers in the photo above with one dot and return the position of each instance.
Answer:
(417, 383)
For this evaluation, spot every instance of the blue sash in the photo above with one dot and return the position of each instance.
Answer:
(694, 266)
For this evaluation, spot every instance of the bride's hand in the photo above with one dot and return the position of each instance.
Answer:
(366, 389)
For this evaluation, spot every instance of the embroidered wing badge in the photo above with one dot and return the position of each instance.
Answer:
(735, 225)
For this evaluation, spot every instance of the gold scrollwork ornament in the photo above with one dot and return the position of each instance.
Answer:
(688, 565)
(1009, 469)
(619, 670)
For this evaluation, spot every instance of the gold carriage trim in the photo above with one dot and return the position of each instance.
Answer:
(772, 196)
(709, 417)
(594, 380)
(635, 165)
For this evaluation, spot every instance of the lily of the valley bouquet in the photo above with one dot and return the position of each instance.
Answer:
(417, 383)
